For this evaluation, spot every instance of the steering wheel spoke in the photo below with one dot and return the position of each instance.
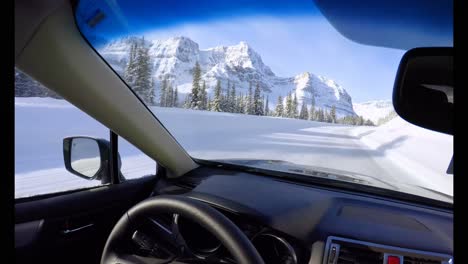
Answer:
(136, 259)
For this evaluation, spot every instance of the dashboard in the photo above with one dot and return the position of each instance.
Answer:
(290, 222)
(273, 246)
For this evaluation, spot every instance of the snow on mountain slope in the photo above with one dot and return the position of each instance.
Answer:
(374, 110)
(174, 58)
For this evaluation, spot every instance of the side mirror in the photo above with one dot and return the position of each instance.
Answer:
(88, 158)
(423, 89)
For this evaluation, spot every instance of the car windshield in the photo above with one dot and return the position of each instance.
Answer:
(270, 85)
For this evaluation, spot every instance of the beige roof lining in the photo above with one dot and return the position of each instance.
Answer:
(28, 16)
(59, 57)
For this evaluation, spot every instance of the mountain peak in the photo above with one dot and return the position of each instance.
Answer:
(180, 47)
(244, 45)
(239, 64)
(304, 75)
(182, 40)
(177, 42)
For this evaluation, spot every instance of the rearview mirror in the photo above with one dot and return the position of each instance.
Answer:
(423, 89)
(87, 157)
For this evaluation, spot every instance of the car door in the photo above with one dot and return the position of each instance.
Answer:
(60, 217)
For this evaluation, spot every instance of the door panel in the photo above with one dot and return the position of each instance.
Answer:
(73, 227)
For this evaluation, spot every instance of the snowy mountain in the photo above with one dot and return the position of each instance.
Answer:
(374, 110)
(174, 58)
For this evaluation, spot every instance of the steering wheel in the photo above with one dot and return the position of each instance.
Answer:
(235, 241)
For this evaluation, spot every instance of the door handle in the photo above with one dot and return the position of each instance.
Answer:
(68, 231)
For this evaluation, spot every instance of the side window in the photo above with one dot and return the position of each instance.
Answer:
(135, 164)
(42, 120)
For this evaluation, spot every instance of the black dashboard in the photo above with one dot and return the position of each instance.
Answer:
(289, 222)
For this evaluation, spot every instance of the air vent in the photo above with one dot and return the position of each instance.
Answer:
(349, 251)
(413, 260)
(358, 254)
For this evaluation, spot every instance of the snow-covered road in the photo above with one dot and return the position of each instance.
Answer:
(391, 153)
(396, 152)
(215, 136)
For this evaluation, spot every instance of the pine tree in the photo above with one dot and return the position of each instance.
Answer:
(279, 111)
(175, 103)
(153, 91)
(361, 121)
(288, 108)
(196, 78)
(354, 120)
(333, 114)
(216, 104)
(257, 103)
(312, 114)
(240, 104)
(208, 103)
(320, 115)
(225, 97)
(294, 107)
(203, 97)
(328, 117)
(169, 96)
(163, 92)
(369, 123)
(227, 107)
(249, 101)
(304, 114)
(188, 99)
(262, 106)
(245, 103)
(232, 99)
(129, 73)
(142, 83)
(267, 108)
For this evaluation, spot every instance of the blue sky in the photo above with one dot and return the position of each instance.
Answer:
(291, 37)
(291, 45)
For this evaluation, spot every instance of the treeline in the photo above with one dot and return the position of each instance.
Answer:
(355, 121)
(225, 99)
(289, 109)
(138, 73)
(387, 118)
(255, 103)
(26, 86)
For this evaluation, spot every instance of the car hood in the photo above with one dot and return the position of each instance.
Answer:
(339, 175)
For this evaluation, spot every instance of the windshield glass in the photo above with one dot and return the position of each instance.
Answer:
(269, 84)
